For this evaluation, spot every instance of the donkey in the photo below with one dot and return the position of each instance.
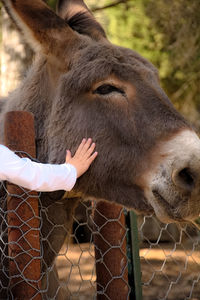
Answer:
(81, 85)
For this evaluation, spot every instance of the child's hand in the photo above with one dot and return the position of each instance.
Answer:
(83, 157)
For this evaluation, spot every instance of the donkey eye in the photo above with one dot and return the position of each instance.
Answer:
(106, 89)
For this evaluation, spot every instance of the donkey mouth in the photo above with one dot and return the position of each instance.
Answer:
(168, 210)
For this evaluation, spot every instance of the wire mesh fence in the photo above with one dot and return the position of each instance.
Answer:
(19, 244)
(169, 255)
(170, 260)
(72, 272)
(56, 248)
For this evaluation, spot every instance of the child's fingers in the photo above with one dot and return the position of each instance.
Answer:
(86, 146)
(90, 150)
(80, 148)
(92, 157)
(68, 156)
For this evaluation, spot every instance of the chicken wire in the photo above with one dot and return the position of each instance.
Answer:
(169, 257)
(170, 260)
(72, 275)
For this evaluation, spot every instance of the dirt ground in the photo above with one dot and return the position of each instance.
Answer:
(76, 270)
(167, 272)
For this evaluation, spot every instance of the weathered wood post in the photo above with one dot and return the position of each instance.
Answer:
(23, 215)
(110, 252)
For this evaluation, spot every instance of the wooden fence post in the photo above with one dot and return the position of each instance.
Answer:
(23, 215)
(110, 252)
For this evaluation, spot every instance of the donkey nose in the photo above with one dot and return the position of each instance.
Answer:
(184, 179)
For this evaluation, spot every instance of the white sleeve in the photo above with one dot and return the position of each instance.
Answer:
(35, 176)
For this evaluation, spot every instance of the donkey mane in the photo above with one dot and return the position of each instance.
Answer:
(81, 21)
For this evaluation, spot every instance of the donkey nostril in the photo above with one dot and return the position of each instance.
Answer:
(185, 179)
(185, 176)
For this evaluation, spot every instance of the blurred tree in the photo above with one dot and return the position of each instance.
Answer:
(178, 22)
(51, 3)
(16, 55)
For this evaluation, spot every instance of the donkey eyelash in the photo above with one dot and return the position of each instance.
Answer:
(106, 89)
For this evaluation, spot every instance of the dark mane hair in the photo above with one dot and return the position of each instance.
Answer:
(81, 21)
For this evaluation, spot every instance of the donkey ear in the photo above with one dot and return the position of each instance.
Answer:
(43, 29)
(80, 18)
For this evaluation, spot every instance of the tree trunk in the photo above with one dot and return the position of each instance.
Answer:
(16, 56)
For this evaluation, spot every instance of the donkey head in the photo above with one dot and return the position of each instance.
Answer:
(149, 156)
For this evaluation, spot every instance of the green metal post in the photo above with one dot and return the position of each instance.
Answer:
(134, 270)
(135, 255)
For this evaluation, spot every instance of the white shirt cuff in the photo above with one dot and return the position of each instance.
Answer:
(71, 178)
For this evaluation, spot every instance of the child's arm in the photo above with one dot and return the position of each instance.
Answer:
(46, 177)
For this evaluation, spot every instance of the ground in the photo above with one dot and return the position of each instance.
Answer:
(168, 271)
